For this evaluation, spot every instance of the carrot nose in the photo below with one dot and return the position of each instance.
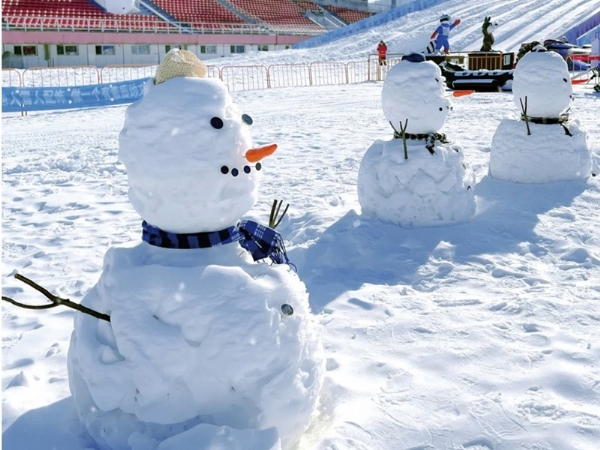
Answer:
(258, 153)
(463, 92)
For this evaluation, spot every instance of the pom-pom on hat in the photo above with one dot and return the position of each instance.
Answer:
(179, 63)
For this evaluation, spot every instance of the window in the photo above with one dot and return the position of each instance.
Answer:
(67, 50)
(168, 48)
(263, 48)
(25, 50)
(105, 49)
(237, 49)
(210, 49)
(140, 49)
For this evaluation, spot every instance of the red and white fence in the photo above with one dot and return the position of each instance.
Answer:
(237, 78)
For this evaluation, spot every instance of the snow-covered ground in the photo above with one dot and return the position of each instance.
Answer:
(479, 336)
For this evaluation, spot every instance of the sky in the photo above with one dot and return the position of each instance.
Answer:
(481, 335)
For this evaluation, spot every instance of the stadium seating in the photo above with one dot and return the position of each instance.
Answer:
(74, 14)
(348, 15)
(281, 16)
(198, 11)
(307, 6)
(279, 13)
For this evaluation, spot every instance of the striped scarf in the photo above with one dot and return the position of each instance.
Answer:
(260, 241)
(562, 120)
(429, 139)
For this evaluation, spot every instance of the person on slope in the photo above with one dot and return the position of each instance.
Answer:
(382, 53)
(442, 32)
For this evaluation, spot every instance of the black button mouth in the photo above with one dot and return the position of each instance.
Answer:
(235, 172)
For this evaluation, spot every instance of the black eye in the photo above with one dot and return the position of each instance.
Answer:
(441, 109)
(565, 80)
(247, 119)
(216, 123)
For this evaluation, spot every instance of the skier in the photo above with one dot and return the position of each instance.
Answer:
(382, 52)
(442, 32)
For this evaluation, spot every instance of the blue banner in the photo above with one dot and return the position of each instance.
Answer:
(21, 99)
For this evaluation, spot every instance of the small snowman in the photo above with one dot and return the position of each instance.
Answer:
(416, 179)
(205, 347)
(544, 144)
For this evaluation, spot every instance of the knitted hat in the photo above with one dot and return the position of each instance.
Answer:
(179, 63)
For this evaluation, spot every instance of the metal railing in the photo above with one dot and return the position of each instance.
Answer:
(236, 77)
(61, 76)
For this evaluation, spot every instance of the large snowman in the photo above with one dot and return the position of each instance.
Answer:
(205, 347)
(544, 144)
(418, 178)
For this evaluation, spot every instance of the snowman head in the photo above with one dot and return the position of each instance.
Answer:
(542, 77)
(188, 152)
(413, 94)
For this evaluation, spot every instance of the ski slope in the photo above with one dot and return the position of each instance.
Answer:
(518, 21)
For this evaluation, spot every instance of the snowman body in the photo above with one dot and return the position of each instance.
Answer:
(555, 147)
(433, 186)
(196, 337)
(205, 346)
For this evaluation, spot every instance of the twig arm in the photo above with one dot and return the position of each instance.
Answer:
(56, 301)
(524, 114)
(23, 305)
(274, 218)
(403, 130)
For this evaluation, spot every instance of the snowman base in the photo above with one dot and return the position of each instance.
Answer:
(547, 154)
(210, 436)
(197, 338)
(424, 190)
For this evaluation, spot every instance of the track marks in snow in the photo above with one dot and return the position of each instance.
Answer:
(455, 303)
(479, 444)
(495, 421)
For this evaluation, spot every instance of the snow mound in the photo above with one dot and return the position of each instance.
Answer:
(413, 94)
(174, 156)
(196, 339)
(423, 190)
(548, 154)
(543, 79)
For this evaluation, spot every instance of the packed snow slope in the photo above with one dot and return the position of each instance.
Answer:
(480, 336)
(518, 21)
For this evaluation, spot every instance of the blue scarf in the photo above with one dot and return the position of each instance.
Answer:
(260, 241)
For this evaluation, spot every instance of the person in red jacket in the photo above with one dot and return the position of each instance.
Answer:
(382, 52)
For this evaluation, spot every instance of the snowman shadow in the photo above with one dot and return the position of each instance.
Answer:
(358, 250)
(55, 426)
